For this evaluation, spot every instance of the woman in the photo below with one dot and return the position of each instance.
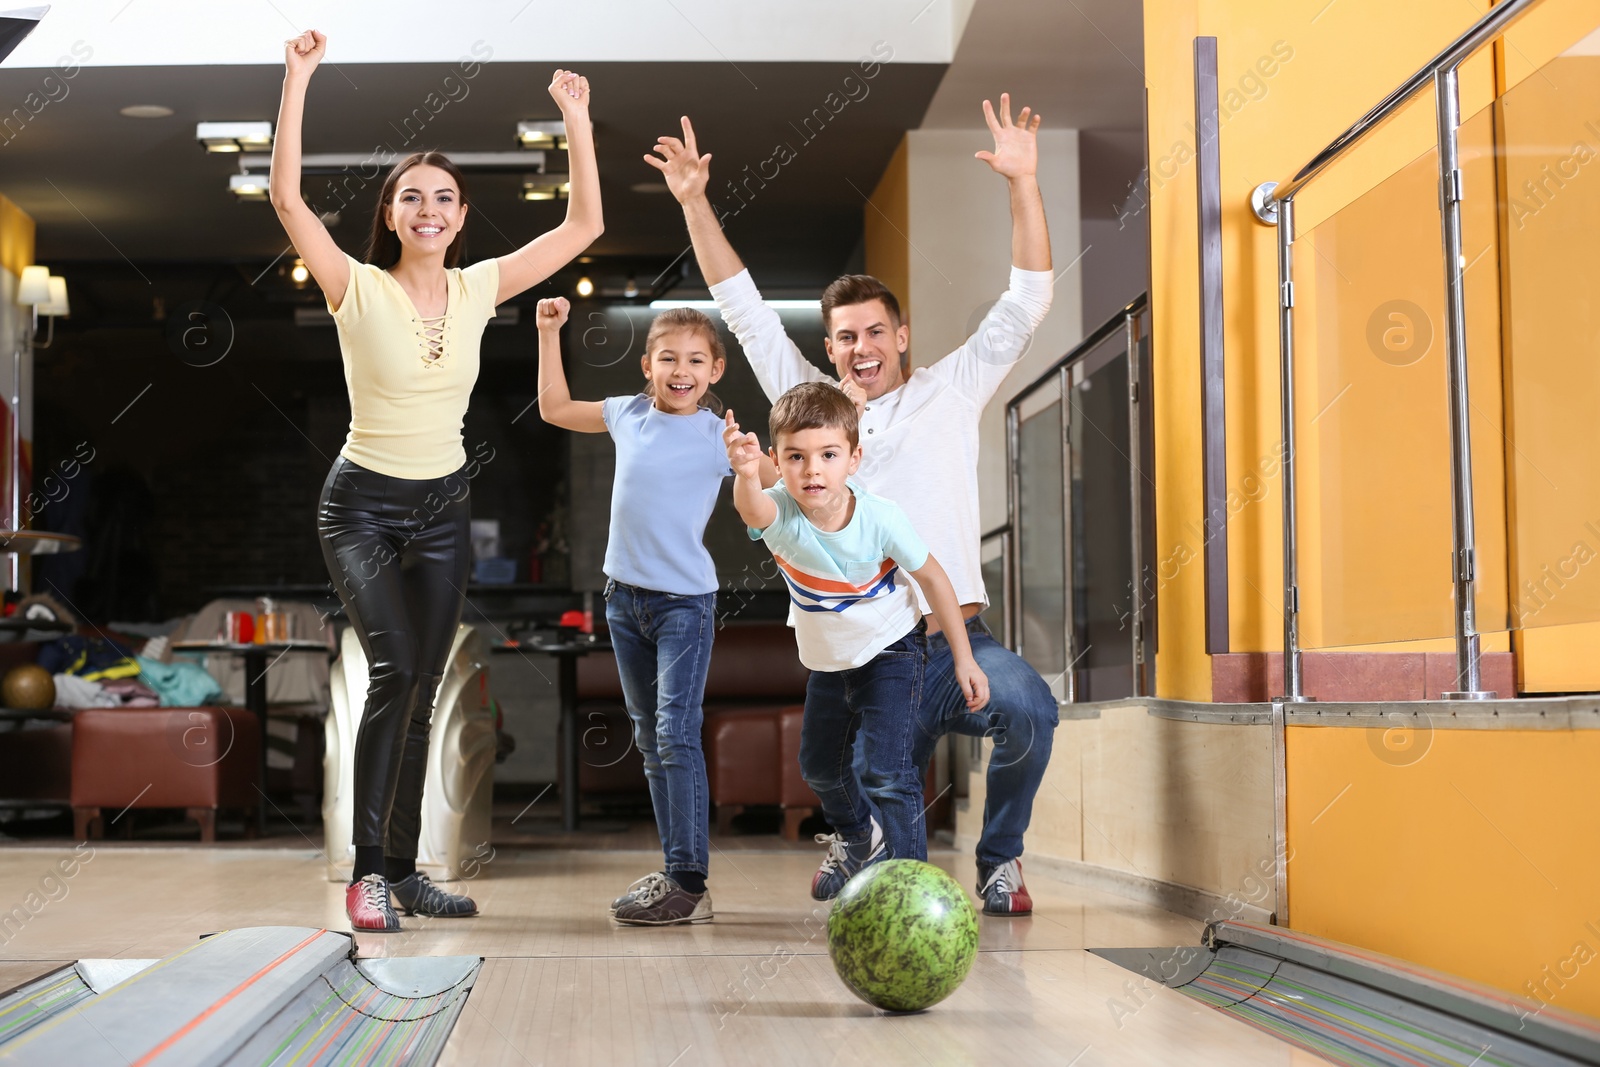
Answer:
(393, 519)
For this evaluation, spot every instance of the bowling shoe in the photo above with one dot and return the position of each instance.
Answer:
(664, 902)
(641, 888)
(419, 896)
(1004, 893)
(844, 859)
(367, 904)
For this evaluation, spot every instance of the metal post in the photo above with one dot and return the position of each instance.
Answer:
(1069, 685)
(1007, 575)
(1292, 683)
(1135, 499)
(14, 559)
(1014, 518)
(1468, 681)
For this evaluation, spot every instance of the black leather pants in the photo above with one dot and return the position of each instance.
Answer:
(398, 551)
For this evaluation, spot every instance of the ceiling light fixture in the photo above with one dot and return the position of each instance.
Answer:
(545, 187)
(585, 286)
(543, 134)
(234, 136)
(146, 111)
(299, 272)
(631, 288)
(248, 186)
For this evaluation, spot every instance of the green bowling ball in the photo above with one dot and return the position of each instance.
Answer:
(902, 935)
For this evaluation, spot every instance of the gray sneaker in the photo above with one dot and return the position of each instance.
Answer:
(419, 896)
(844, 859)
(665, 903)
(641, 888)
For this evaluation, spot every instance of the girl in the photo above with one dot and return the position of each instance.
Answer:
(393, 518)
(661, 584)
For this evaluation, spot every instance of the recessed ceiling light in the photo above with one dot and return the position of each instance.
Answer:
(650, 187)
(234, 136)
(585, 286)
(548, 134)
(545, 187)
(248, 186)
(145, 111)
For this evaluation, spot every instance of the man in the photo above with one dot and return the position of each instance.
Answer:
(920, 438)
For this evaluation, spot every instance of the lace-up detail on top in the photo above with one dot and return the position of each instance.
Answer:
(431, 332)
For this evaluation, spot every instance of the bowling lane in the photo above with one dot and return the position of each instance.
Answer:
(1037, 1006)
(563, 984)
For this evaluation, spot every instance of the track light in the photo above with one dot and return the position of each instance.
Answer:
(234, 136)
(585, 286)
(631, 289)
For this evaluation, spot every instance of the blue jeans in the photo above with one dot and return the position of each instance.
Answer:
(663, 647)
(856, 742)
(1021, 717)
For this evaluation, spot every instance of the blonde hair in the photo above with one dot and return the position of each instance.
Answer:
(671, 321)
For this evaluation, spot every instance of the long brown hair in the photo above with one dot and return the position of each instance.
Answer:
(383, 247)
(674, 319)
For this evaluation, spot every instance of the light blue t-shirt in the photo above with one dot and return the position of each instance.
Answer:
(850, 589)
(669, 472)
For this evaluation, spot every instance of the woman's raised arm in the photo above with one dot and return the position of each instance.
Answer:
(310, 238)
(550, 251)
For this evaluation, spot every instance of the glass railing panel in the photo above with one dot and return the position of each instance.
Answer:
(1102, 554)
(1376, 538)
(1549, 126)
(1041, 539)
(992, 560)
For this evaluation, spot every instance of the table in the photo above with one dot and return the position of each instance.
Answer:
(255, 688)
(566, 651)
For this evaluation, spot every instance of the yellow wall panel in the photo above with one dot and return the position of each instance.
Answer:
(1471, 851)
(887, 221)
(16, 237)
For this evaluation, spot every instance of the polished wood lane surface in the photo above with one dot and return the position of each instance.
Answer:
(563, 984)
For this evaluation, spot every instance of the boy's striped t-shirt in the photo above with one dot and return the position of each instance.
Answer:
(852, 592)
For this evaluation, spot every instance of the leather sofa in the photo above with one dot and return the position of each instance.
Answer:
(754, 678)
(198, 759)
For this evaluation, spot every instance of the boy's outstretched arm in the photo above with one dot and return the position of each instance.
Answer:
(556, 405)
(941, 596)
(744, 456)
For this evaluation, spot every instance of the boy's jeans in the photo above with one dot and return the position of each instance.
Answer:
(663, 648)
(1021, 717)
(880, 701)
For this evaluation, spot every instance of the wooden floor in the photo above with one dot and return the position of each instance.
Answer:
(562, 984)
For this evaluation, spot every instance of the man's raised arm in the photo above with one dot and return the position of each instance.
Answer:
(1016, 159)
(982, 363)
(776, 361)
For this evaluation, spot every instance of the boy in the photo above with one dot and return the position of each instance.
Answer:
(845, 555)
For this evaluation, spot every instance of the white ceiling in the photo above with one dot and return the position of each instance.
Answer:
(1079, 63)
(168, 33)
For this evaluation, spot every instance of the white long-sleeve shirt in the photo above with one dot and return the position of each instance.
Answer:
(920, 441)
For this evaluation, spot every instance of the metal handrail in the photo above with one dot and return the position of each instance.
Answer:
(1454, 54)
(1273, 204)
(1077, 352)
(1126, 322)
